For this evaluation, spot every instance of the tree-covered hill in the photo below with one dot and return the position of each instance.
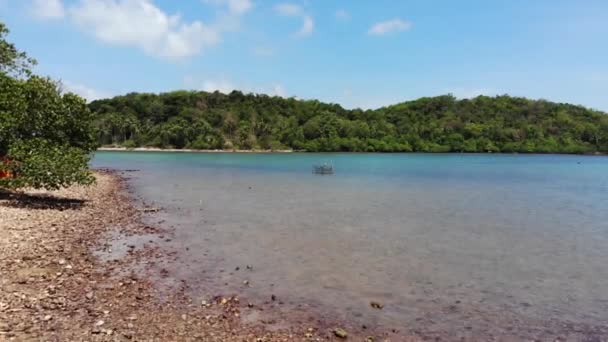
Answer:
(201, 120)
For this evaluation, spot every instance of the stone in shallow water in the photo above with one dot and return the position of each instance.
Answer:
(341, 333)
(376, 305)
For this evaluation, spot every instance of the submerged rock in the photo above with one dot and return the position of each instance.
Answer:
(341, 333)
(376, 305)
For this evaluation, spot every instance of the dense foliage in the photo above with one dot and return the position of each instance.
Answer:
(200, 120)
(46, 136)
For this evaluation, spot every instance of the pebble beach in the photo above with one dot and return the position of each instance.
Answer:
(53, 288)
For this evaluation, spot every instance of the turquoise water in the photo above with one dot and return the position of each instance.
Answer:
(450, 243)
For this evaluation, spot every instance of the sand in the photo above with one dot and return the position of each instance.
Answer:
(154, 149)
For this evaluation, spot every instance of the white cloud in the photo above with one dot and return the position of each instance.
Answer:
(342, 14)
(226, 86)
(230, 19)
(290, 10)
(48, 9)
(278, 90)
(237, 7)
(307, 26)
(293, 10)
(389, 26)
(223, 86)
(87, 93)
(467, 93)
(141, 24)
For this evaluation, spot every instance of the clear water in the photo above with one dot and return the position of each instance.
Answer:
(445, 242)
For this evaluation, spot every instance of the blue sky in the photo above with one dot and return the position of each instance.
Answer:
(359, 53)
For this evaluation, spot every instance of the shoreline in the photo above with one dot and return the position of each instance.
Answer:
(184, 150)
(55, 283)
(53, 286)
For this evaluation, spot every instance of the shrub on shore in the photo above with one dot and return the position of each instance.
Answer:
(46, 135)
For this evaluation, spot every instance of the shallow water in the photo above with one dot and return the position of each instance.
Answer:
(448, 242)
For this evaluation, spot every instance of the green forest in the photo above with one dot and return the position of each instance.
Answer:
(202, 120)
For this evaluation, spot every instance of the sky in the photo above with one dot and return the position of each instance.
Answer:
(358, 53)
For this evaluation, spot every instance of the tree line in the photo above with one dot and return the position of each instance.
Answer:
(203, 120)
